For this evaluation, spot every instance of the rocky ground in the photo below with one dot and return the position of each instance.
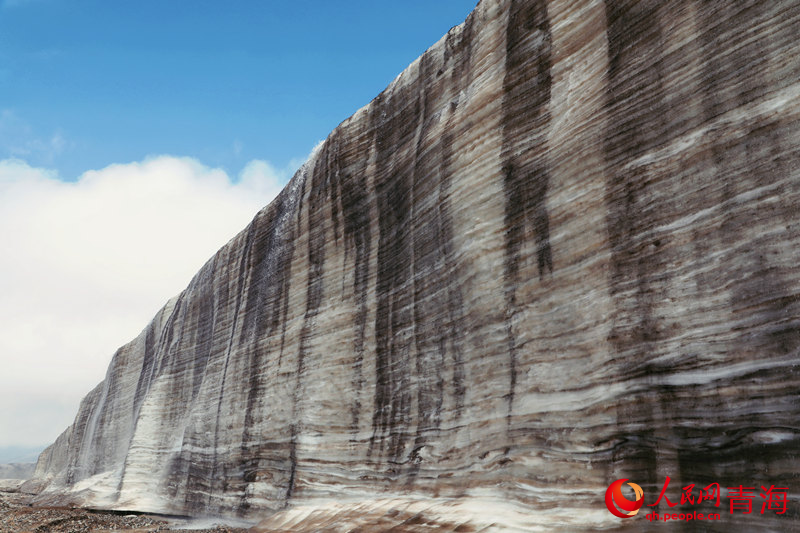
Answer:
(17, 517)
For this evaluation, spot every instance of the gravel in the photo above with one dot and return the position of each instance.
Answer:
(16, 516)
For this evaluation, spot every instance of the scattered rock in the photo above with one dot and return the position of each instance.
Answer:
(17, 517)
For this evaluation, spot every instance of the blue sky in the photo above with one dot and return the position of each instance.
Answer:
(136, 138)
(87, 83)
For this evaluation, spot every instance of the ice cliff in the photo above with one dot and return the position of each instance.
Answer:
(561, 248)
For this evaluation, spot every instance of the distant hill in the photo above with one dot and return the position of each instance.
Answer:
(17, 470)
(19, 454)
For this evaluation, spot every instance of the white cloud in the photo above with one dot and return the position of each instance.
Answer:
(260, 177)
(238, 146)
(84, 266)
(18, 139)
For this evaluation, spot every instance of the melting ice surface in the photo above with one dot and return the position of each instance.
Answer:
(207, 523)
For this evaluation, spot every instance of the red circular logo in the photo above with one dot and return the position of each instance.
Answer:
(615, 500)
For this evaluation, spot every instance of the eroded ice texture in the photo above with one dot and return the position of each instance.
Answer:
(561, 248)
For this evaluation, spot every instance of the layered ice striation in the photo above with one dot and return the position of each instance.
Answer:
(558, 250)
